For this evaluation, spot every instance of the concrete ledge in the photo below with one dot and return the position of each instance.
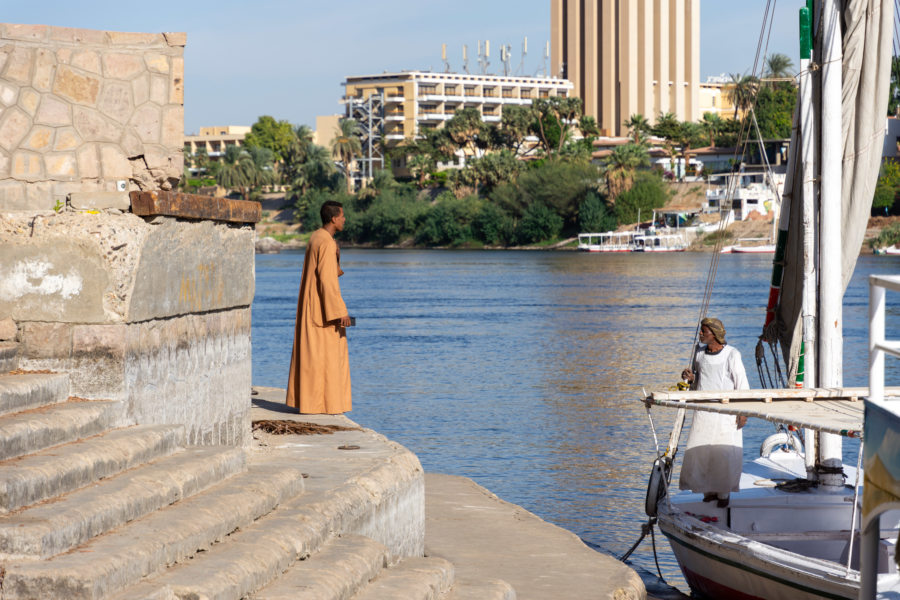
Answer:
(485, 538)
(31, 390)
(100, 200)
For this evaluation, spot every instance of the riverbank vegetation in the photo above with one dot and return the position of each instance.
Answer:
(530, 179)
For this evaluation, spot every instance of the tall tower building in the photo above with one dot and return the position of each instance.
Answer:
(629, 57)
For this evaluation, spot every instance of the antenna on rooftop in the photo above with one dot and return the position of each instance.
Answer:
(444, 58)
(504, 58)
(465, 58)
(521, 68)
(484, 56)
(546, 57)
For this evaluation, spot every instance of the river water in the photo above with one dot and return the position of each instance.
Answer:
(523, 370)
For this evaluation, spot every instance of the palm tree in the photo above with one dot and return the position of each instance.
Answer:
(638, 128)
(237, 170)
(779, 66)
(346, 146)
(712, 124)
(419, 166)
(263, 172)
(620, 166)
(742, 92)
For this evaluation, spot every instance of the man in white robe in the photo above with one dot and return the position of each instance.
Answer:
(714, 455)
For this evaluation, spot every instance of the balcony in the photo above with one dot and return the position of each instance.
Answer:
(393, 98)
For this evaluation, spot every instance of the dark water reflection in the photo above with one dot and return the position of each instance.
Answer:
(521, 370)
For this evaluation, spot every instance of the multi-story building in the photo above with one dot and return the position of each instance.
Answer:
(629, 57)
(400, 106)
(216, 139)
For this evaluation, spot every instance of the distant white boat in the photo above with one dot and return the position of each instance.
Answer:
(660, 242)
(764, 249)
(610, 241)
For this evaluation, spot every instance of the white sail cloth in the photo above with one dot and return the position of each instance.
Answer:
(714, 455)
(867, 35)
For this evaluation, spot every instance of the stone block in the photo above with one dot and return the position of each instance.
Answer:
(53, 111)
(4, 165)
(12, 196)
(66, 139)
(191, 267)
(29, 100)
(122, 66)
(99, 340)
(87, 60)
(132, 145)
(8, 329)
(94, 127)
(64, 56)
(46, 340)
(115, 101)
(26, 33)
(88, 161)
(27, 166)
(173, 126)
(100, 200)
(113, 163)
(159, 89)
(176, 82)
(61, 165)
(8, 94)
(14, 125)
(140, 87)
(40, 196)
(75, 86)
(53, 280)
(19, 65)
(38, 139)
(74, 35)
(158, 63)
(44, 65)
(176, 38)
(146, 123)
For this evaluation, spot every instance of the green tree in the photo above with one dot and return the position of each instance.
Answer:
(742, 92)
(894, 99)
(269, 133)
(774, 110)
(515, 125)
(638, 128)
(712, 125)
(539, 223)
(263, 172)
(887, 188)
(557, 113)
(594, 215)
(689, 135)
(346, 146)
(237, 172)
(779, 66)
(492, 169)
(420, 165)
(493, 225)
(449, 222)
(648, 192)
(466, 129)
(621, 165)
(560, 185)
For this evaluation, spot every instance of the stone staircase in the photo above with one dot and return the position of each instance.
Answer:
(93, 510)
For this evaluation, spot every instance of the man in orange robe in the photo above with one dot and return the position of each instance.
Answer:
(319, 380)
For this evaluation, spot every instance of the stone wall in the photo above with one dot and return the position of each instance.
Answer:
(88, 111)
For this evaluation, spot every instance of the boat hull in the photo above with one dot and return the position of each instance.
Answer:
(716, 569)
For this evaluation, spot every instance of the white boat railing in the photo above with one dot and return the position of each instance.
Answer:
(879, 348)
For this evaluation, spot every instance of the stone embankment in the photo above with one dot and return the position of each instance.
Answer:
(93, 510)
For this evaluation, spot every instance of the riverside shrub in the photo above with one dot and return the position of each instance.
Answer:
(539, 223)
(647, 192)
(594, 216)
(449, 221)
(493, 225)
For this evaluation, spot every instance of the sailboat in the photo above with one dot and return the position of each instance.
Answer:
(792, 531)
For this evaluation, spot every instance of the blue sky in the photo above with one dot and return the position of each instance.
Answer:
(288, 58)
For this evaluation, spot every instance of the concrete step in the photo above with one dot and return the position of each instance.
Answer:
(49, 529)
(496, 589)
(111, 563)
(339, 570)
(31, 390)
(41, 428)
(258, 554)
(9, 356)
(411, 579)
(62, 469)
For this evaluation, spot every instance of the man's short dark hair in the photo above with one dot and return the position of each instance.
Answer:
(330, 210)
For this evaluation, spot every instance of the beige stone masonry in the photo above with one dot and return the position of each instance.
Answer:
(82, 110)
